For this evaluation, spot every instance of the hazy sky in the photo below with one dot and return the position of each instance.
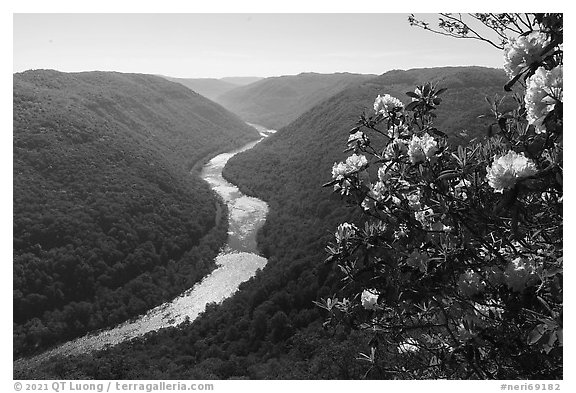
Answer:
(218, 45)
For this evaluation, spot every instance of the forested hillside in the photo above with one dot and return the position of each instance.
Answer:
(108, 221)
(208, 87)
(275, 102)
(271, 328)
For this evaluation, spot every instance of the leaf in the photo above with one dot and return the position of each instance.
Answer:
(449, 174)
(502, 123)
(536, 334)
(331, 183)
(411, 106)
(438, 132)
(442, 90)
(412, 94)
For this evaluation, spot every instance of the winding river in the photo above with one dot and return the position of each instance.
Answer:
(237, 262)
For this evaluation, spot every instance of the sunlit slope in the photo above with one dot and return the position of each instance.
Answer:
(107, 219)
(275, 102)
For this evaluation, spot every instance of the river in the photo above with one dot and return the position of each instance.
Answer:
(236, 263)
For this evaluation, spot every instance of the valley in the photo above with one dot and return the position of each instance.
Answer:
(271, 327)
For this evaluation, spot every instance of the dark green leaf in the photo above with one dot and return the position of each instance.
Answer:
(411, 106)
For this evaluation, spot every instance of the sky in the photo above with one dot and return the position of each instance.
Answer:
(219, 45)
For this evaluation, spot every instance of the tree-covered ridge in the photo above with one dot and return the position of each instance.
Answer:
(275, 102)
(300, 155)
(107, 219)
(271, 328)
(210, 88)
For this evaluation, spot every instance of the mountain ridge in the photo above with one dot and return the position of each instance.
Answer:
(107, 219)
(276, 101)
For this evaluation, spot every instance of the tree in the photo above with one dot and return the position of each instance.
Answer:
(456, 266)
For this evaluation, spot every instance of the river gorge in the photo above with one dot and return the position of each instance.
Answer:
(237, 262)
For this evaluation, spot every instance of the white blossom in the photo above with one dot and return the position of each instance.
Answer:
(395, 149)
(357, 136)
(421, 148)
(507, 169)
(543, 90)
(386, 104)
(523, 51)
(369, 299)
(353, 163)
(376, 194)
(344, 232)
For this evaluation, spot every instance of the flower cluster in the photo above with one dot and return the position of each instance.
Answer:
(524, 51)
(387, 104)
(543, 91)
(461, 246)
(421, 148)
(506, 170)
(369, 299)
(345, 232)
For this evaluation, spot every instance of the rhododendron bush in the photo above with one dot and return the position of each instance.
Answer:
(456, 269)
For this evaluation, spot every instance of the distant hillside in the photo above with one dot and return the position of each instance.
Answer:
(275, 102)
(107, 219)
(241, 80)
(208, 87)
(293, 163)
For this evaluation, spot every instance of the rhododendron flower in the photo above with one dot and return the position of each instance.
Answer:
(507, 169)
(543, 90)
(523, 51)
(344, 232)
(421, 148)
(386, 104)
(353, 163)
(357, 137)
(376, 194)
(395, 149)
(369, 299)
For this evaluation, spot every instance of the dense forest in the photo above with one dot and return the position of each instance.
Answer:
(271, 328)
(108, 221)
(276, 102)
